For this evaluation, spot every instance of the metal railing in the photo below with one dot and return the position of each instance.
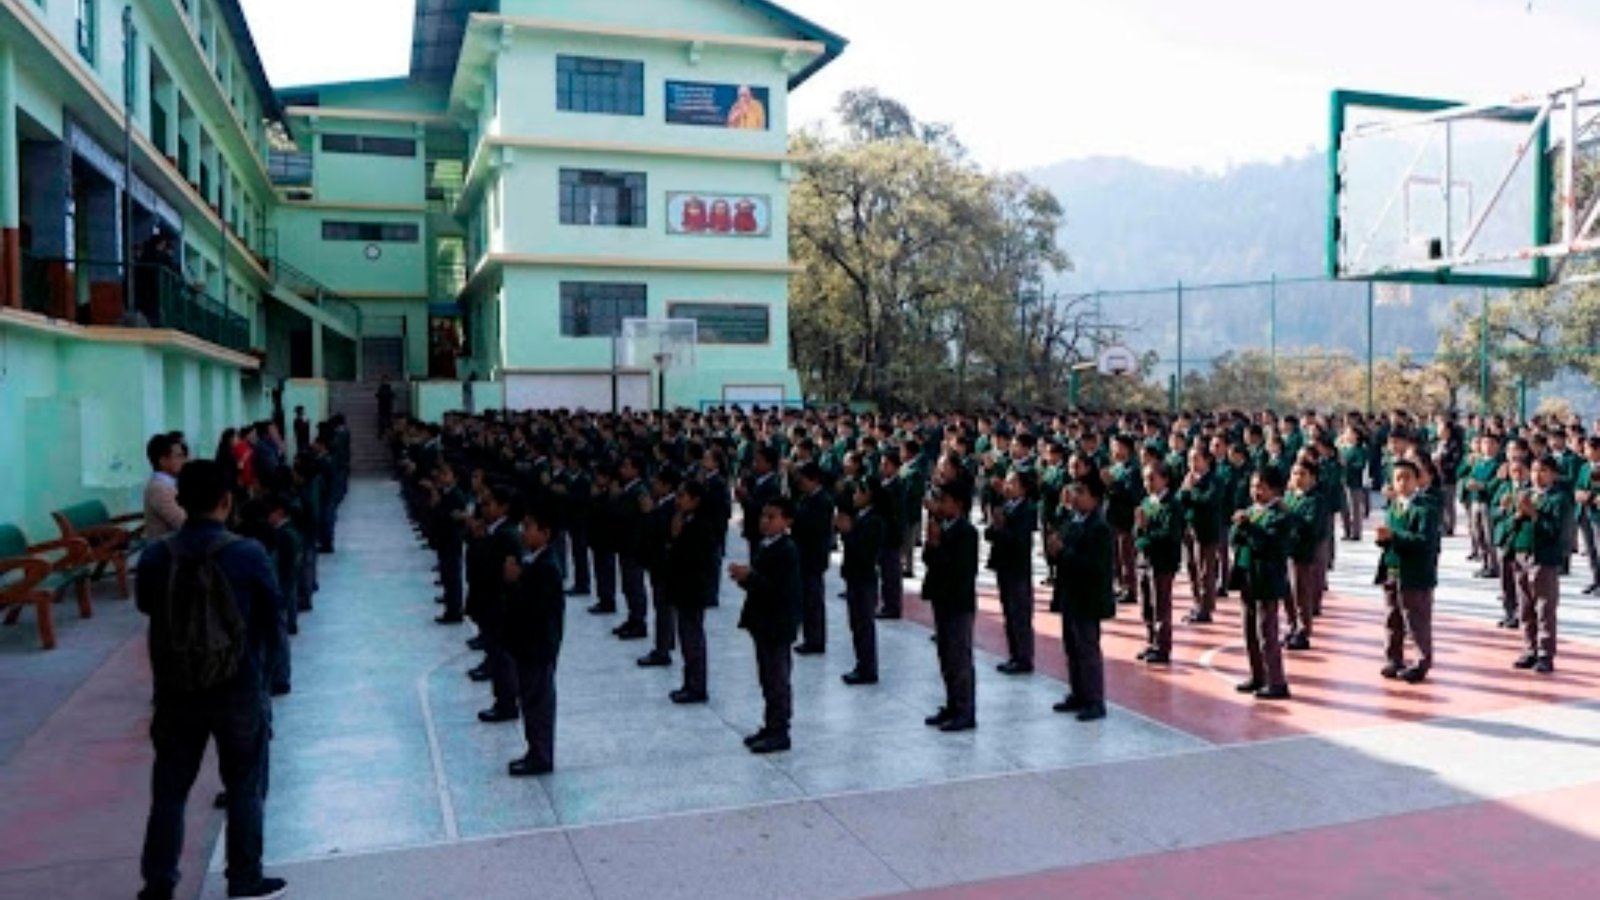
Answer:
(304, 285)
(90, 292)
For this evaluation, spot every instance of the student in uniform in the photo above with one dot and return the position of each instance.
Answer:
(1410, 573)
(691, 556)
(950, 552)
(657, 535)
(813, 536)
(631, 505)
(771, 614)
(864, 533)
(502, 543)
(1201, 499)
(534, 624)
(1260, 569)
(1158, 524)
(1010, 537)
(602, 540)
(1082, 551)
(1537, 538)
(1123, 493)
(1304, 504)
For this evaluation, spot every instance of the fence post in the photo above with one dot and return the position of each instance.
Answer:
(1483, 355)
(1177, 384)
(1371, 380)
(1272, 341)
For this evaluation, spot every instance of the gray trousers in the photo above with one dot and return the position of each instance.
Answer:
(1261, 642)
(1205, 592)
(1302, 599)
(692, 639)
(1016, 602)
(1483, 537)
(774, 662)
(1538, 594)
(1086, 669)
(1126, 561)
(813, 609)
(536, 694)
(1410, 613)
(861, 597)
(954, 634)
(1356, 503)
(1157, 611)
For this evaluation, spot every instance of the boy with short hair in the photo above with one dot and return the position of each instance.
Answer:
(534, 624)
(951, 556)
(1083, 554)
(1010, 536)
(1158, 535)
(1410, 574)
(1260, 541)
(772, 616)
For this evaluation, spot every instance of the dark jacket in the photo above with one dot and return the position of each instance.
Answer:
(1261, 554)
(255, 589)
(772, 593)
(536, 611)
(1084, 570)
(863, 544)
(1160, 538)
(690, 558)
(1202, 508)
(1011, 542)
(951, 583)
(1408, 553)
(813, 530)
(760, 490)
(486, 559)
(657, 536)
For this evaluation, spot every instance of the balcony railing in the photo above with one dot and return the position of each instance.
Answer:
(90, 292)
(304, 285)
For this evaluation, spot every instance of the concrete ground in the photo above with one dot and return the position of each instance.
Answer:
(1481, 782)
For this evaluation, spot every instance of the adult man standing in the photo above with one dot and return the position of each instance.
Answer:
(206, 582)
(162, 513)
(385, 405)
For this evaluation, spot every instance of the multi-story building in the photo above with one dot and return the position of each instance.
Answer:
(547, 169)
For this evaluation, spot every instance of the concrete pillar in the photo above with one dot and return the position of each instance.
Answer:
(316, 349)
(10, 186)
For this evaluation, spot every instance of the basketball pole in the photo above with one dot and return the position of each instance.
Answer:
(1272, 340)
(1371, 302)
(1177, 388)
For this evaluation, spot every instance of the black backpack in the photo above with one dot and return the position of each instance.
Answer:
(197, 637)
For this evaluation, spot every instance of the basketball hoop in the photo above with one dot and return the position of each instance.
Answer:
(659, 345)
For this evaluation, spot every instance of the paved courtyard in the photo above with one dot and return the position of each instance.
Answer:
(1482, 782)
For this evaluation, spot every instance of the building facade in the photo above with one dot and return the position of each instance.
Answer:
(182, 245)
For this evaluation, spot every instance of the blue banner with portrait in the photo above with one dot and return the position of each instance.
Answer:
(740, 106)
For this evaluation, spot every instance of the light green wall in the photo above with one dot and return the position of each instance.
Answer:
(367, 178)
(720, 16)
(311, 393)
(388, 94)
(343, 265)
(380, 318)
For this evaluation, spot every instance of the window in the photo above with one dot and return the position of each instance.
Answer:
(602, 198)
(371, 232)
(597, 308)
(88, 28)
(588, 85)
(368, 145)
(726, 323)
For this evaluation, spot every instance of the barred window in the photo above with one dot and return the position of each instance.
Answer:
(602, 198)
(589, 85)
(368, 145)
(371, 232)
(597, 308)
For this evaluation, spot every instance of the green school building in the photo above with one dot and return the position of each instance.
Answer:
(547, 170)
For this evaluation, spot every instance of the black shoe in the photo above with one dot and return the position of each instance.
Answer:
(305, 606)
(602, 609)
(1545, 665)
(632, 632)
(844, 595)
(1248, 687)
(966, 723)
(1392, 671)
(1157, 658)
(279, 690)
(578, 592)
(1510, 623)
(857, 678)
(220, 801)
(810, 649)
(263, 889)
(686, 697)
(886, 615)
(1273, 692)
(1473, 557)
(475, 642)
(495, 714)
(1014, 667)
(655, 658)
(1144, 654)
(293, 629)
(1092, 713)
(1525, 661)
(1195, 617)
(938, 718)
(1591, 589)
(1297, 641)
(1414, 675)
(1069, 705)
(448, 619)
(1126, 598)
(438, 600)
(1222, 595)
(155, 893)
(526, 767)
(772, 743)
(479, 673)
(760, 735)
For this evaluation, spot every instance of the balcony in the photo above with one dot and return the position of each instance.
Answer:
(90, 293)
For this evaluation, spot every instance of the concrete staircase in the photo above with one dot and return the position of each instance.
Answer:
(358, 400)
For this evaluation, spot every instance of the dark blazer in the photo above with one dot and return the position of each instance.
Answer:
(756, 496)
(951, 583)
(772, 593)
(536, 611)
(813, 531)
(1160, 539)
(1084, 570)
(1011, 544)
(657, 535)
(628, 520)
(717, 507)
(486, 559)
(690, 558)
(863, 544)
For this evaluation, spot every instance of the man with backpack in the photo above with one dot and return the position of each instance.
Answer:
(213, 601)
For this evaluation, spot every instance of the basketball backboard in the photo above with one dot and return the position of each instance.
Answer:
(1431, 190)
(658, 344)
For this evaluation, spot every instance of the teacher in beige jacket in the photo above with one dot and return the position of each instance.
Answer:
(162, 514)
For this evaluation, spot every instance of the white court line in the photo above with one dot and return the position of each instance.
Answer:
(1207, 657)
(447, 807)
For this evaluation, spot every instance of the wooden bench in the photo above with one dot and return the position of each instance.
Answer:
(38, 574)
(111, 539)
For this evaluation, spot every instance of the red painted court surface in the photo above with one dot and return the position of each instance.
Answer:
(1539, 845)
(1336, 684)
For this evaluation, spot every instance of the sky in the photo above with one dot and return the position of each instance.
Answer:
(1183, 83)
